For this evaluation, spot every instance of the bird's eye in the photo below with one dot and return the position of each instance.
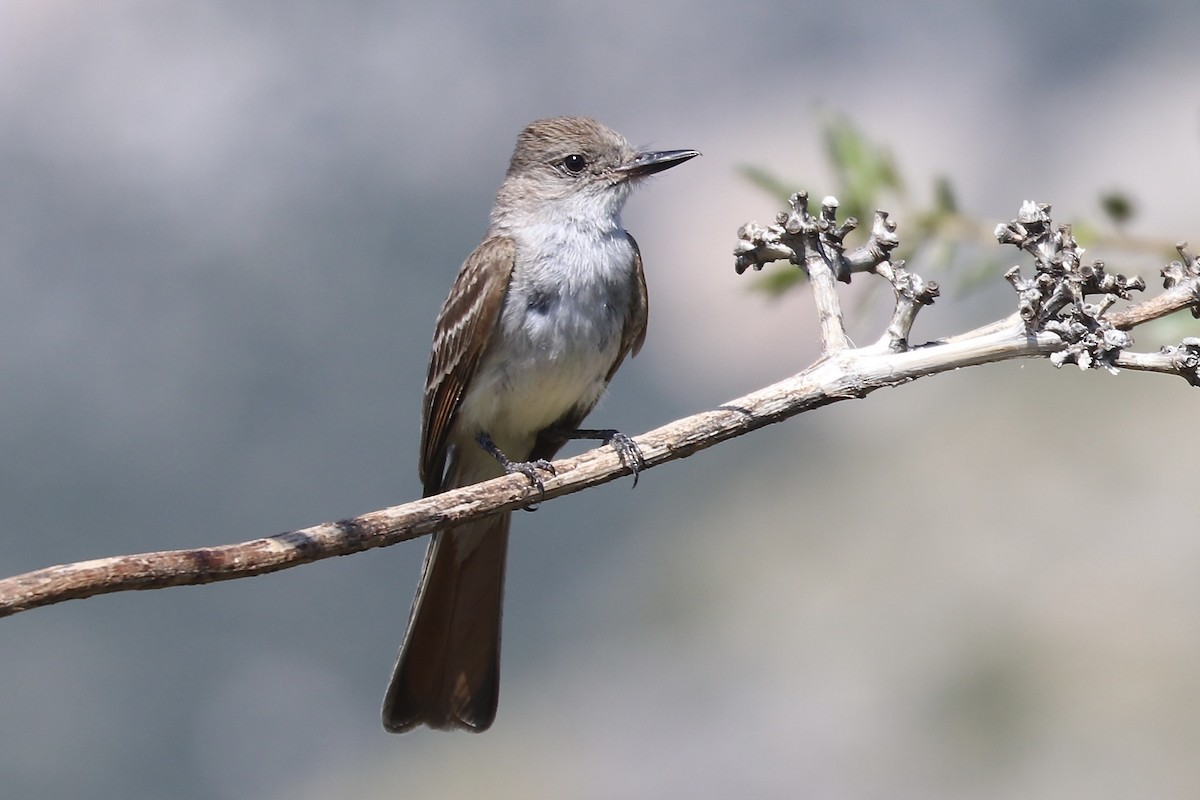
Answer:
(574, 163)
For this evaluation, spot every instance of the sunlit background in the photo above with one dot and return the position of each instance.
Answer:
(225, 232)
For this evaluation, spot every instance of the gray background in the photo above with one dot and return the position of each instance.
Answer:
(225, 231)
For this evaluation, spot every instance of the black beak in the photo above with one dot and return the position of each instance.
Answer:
(645, 164)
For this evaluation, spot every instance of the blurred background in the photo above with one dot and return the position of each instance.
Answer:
(226, 229)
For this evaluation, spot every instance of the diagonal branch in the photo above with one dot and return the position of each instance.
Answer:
(1053, 320)
(850, 374)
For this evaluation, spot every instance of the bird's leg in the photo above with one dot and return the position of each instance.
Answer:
(527, 468)
(627, 449)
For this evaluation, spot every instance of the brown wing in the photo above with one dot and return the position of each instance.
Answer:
(635, 325)
(463, 331)
(551, 440)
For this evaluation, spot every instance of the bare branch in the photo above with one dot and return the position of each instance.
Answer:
(1181, 279)
(911, 292)
(1182, 360)
(817, 245)
(1054, 319)
(849, 375)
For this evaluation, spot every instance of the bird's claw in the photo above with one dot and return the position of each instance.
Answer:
(628, 450)
(527, 468)
(630, 453)
(530, 470)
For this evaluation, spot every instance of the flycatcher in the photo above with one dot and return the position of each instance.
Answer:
(542, 314)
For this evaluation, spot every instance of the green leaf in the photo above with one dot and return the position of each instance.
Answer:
(778, 282)
(944, 199)
(1119, 207)
(767, 181)
(864, 169)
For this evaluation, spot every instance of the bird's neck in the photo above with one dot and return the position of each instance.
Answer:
(591, 210)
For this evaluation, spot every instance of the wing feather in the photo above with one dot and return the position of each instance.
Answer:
(634, 334)
(464, 328)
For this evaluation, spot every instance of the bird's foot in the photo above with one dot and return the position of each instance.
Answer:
(626, 447)
(530, 469)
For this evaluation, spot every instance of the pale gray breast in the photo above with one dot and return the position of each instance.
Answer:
(570, 297)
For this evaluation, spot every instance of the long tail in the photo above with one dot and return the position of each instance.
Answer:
(448, 672)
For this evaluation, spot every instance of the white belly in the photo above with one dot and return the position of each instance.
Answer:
(558, 335)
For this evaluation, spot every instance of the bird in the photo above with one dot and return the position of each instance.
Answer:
(542, 314)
